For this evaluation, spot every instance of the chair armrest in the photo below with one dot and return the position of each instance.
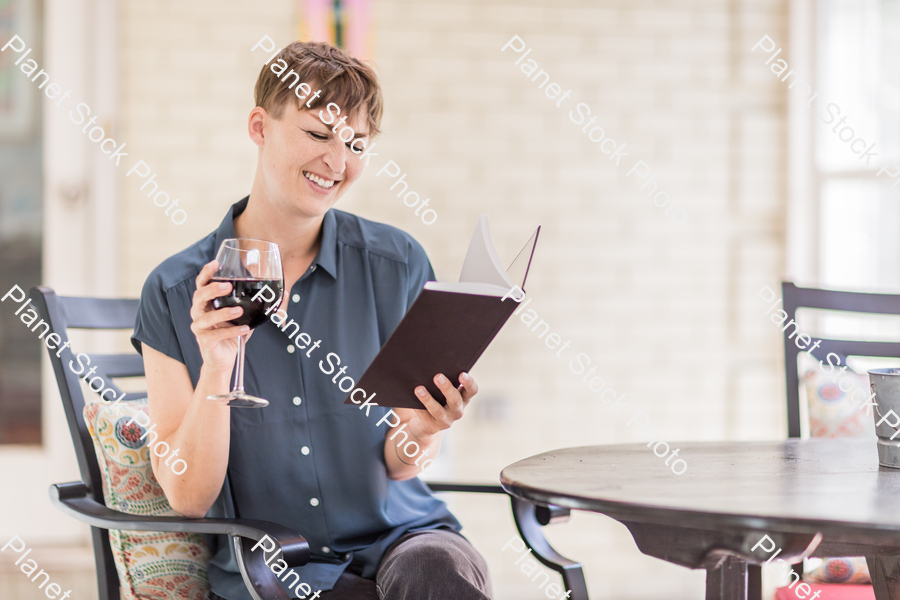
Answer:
(74, 499)
(477, 488)
(545, 514)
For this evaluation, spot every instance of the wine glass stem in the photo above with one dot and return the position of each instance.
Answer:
(239, 378)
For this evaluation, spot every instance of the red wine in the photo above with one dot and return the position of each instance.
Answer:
(242, 292)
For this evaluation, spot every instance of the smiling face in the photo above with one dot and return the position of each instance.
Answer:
(304, 167)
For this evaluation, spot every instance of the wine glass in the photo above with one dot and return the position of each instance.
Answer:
(253, 268)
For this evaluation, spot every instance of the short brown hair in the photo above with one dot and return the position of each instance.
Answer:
(344, 80)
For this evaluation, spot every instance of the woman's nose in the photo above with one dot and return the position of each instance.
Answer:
(335, 157)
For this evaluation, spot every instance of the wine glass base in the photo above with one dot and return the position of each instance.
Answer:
(238, 400)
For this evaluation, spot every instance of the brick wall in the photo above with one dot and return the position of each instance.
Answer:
(663, 309)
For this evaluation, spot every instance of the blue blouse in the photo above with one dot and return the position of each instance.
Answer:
(308, 461)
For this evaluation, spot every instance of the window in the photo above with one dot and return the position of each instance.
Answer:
(857, 68)
(21, 200)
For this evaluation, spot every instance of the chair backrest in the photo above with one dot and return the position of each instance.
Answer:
(64, 313)
(796, 297)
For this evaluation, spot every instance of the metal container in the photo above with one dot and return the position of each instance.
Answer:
(885, 384)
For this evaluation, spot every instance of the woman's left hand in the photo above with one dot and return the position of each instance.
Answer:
(425, 425)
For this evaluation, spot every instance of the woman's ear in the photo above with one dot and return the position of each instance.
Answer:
(256, 125)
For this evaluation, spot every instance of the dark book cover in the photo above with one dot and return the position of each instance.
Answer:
(448, 327)
(443, 332)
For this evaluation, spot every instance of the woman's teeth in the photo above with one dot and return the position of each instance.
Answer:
(325, 183)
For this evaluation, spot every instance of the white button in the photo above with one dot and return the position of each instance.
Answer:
(304, 450)
(314, 501)
(296, 298)
(297, 399)
(326, 549)
(291, 349)
(312, 268)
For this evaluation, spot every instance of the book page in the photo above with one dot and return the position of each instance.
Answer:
(519, 267)
(465, 287)
(482, 265)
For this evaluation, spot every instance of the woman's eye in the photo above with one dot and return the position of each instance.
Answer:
(317, 136)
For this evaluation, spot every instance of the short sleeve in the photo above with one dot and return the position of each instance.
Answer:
(154, 325)
(420, 271)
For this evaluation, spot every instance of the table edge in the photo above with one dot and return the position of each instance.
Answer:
(643, 513)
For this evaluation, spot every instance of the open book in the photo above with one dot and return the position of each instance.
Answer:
(449, 325)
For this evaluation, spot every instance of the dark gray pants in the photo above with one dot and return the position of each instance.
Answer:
(429, 565)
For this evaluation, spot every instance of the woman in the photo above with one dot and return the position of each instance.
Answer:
(307, 461)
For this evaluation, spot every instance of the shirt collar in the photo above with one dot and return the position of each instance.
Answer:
(327, 256)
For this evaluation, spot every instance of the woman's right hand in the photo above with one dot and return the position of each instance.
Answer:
(217, 338)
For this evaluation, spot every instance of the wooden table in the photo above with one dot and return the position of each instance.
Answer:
(823, 497)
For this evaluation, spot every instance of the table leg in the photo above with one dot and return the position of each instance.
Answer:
(754, 582)
(885, 572)
(729, 581)
(531, 532)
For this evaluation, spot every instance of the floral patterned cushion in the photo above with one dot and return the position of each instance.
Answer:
(834, 412)
(151, 566)
(839, 570)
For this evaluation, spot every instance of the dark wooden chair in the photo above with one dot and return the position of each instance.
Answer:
(83, 499)
(794, 298)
